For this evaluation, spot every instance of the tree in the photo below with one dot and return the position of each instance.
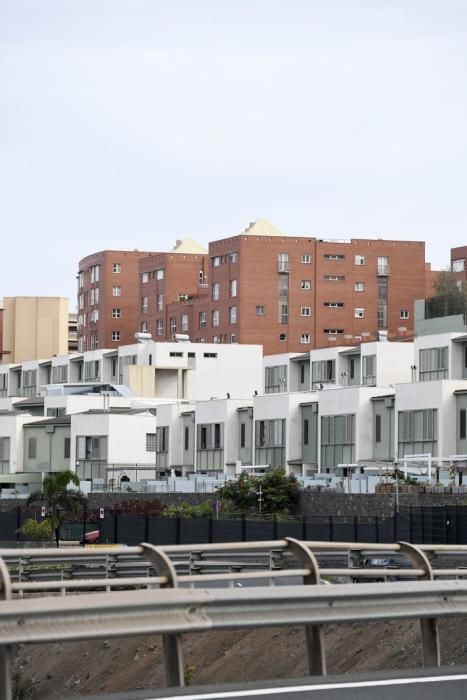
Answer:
(279, 492)
(58, 499)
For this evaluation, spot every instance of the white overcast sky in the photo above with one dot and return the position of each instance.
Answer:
(131, 123)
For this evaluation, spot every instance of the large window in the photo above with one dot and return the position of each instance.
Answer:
(417, 432)
(337, 440)
(433, 364)
(275, 379)
(210, 436)
(369, 370)
(323, 372)
(270, 433)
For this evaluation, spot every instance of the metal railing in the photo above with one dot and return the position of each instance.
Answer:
(179, 608)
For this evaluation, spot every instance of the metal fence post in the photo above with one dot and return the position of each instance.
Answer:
(210, 529)
(355, 528)
(85, 512)
(331, 529)
(18, 522)
(172, 643)
(316, 651)
(177, 529)
(429, 626)
(377, 528)
(6, 692)
(243, 527)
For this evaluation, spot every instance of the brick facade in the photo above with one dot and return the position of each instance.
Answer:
(117, 306)
(290, 294)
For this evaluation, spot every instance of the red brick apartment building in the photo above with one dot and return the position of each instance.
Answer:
(108, 298)
(290, 294)
(178, 277)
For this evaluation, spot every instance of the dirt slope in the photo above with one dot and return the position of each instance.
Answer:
(83, 668)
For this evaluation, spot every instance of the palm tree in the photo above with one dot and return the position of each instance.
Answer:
(58, 499)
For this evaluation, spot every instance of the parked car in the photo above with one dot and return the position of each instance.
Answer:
(91, 537)
(382, 563)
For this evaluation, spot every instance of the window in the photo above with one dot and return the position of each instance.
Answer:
(359, 260)
(94, 273)
(144, 277)
(331, 256)
(216, 261)
(150, 442)
(275, 379)
(306, 431)
(305, 311)
(144, 304)
(334, 304)
(215, 291)
(215, 318)
(186, 438)
(116, 313)
(333, 331)
(159, 327)
(94, 316)
(210, 436)
(270, 433)
(162, 438)
(260, 310)
(232, 257)
(66, 448)
(359, 286)
(32, 448)
(458, 265)
(305, 338)
(283, 312)
(305, 284)
(417, 428)
(80, 279)
(242, 434)
(305, 258)
(202, 319)
(144, 326)
(462, 424)
(369, 370)
(116, 291)
(233, 288)
(159, 274)
(359, 313)
(173, 325)
(59, 374)
(433, 364)
(160, 302)
(383, 266)
(81, 301)
(283, 262)
(377, 427)
(323, 372)
(334, 278)
(233, 314)
(404, 314)
(184, 323)
(117, 267)
(282, 337)
(233, 338)
(115, 335)
(92, 370)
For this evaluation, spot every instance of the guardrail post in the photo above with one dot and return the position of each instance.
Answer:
(6, 692)
(172, 643)
(429, 625)
(313, 635)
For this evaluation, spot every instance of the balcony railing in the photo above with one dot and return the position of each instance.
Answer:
(382, 269)
(283, 266)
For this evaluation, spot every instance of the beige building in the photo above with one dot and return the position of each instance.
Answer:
(34, 328)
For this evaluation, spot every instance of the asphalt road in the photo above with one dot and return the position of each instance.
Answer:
(420, 684)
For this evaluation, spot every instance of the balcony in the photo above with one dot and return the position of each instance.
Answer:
(382, 269)
(283, 266)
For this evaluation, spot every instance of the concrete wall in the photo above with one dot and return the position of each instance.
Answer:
(35, 327)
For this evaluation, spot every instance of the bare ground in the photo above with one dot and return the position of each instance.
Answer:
(80, 668)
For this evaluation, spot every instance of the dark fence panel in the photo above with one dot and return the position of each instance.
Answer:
(131, 529)
(289, 530)
(162, 531)
(194, 530)
(228, 530)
